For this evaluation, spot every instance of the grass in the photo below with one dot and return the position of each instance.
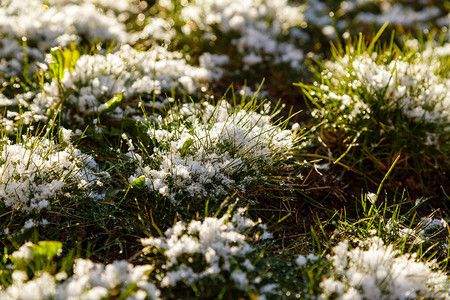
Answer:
(172, 165)
(366, 126)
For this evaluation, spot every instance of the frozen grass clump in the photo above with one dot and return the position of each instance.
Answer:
(356, 15)
(403, 13)
(89, 280)
(250, 32)
(387, 102)
(417, 85)
(206, 151)
(201, 258)
(61, 22)
(380, 255)
(93, 80)
(34, 171)
(374, 270)
(210, 255)
(135, 73)
(28, 28)
(98, 281)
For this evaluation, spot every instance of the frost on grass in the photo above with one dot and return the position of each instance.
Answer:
(89, 280)
(207, 151)
(34, 171)
(95, 79)
(61, 22)
(259, 31)
(403, 14)
(378, 271)
(44, 24)
(208, 254)
(415, 86)
(374, 13)
(360, 92)
(97, 281)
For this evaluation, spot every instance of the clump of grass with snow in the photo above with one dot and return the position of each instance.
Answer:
(85, 85)
(61, 22)
(355, 15)
(213, 257)
(381, 253)
(374, 270)
(385, 102)
(216, 256)
(206, 151)
(29, 27)
(36, 274)
(250, 33)
(35, 170)
(396, 221)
